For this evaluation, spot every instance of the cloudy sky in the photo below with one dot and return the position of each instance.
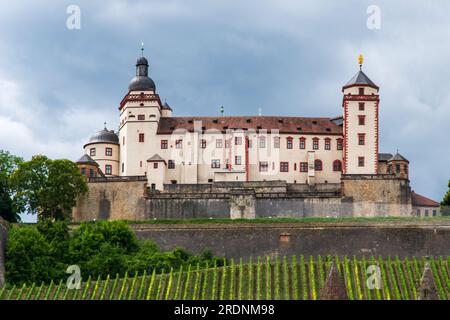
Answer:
(58, 86)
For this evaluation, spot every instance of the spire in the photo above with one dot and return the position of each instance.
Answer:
(104, 124)
(142, 49)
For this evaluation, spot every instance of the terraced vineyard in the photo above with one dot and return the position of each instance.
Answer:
(294, 278)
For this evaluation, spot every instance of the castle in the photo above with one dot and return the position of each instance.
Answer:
(331, 165)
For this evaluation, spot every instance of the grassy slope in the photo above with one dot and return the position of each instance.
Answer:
(287, 279)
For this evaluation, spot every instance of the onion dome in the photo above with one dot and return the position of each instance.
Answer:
(141, 82)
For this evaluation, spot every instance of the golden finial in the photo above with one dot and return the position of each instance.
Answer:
(360, 60)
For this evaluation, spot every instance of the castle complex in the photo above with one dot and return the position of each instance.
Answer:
(248, 166)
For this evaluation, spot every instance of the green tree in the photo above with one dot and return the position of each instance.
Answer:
(48, 188)
(445, 204)
(8, 163)
(29, 257)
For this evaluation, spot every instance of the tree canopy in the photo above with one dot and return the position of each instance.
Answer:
(48, 188)
(8, 163)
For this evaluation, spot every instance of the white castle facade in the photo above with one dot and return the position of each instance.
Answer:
(166, 149)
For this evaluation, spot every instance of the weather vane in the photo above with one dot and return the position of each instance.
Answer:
(360, 61)
(142, 48)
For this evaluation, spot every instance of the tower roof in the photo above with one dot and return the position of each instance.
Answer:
(166, 106)
(398, 157)
(141, 82)
(104, 136)
(360, 79)
(86, 159)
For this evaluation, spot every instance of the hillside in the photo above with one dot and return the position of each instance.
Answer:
(297, 278)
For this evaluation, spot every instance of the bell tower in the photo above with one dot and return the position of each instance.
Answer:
(360, 103)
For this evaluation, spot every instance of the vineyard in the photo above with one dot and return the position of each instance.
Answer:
(297, 278)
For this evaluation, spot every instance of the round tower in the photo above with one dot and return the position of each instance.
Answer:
(88, 167)
(103, 148)
(398, 166)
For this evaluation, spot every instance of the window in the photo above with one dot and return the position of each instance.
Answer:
(203, 144)
(339, 144)
(434, 213)
(141, 137)
(360, 161)
(123, 167)
(228, 143)
(123, 140)
(83, 171)
(276, 142)
(302, 143)
(303, 166)
(171, 164)
(140, 164)
(249, 143)
(164, 144)
(361, 91)
(238, 141)
(179, 144)
(155, 165)
(218, 143)
(327, 144)
(426, 212)
(289, 143)
(284, 166)
(390, 169)
(92, 152)
(361, 106)
(405, 168)
(337, 165)
(141, 117)
(215, 163)
(318, 165)
(108, 169)
(227, 164)
(237, 160)
(316, 144)
(361, 139)
(91, 173)
(397, 168)
(361, 120)
(108, 152)
(418, 212)
(295, 166)
(262, 142)
(263, 166)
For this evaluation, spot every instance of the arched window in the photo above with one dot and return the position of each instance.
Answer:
(318, 165)
(337, 165)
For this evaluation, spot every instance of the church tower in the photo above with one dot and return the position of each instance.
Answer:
(140, 111)
(360, 105)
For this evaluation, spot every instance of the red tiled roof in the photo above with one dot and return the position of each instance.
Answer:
(421, 201)
(293, 125)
